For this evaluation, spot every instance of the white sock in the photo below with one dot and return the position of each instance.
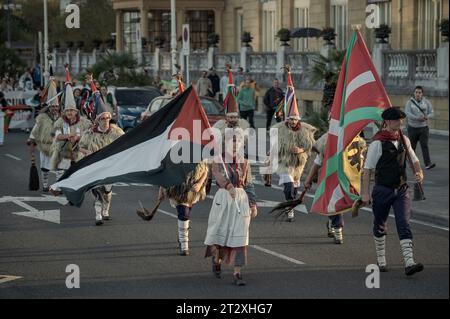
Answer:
(380, 247)
(338, 235)
(183, 234)
(44, 179)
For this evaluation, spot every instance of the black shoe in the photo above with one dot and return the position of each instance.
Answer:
(106, 217)
(411, 270)
(238, 281)
(383, 268)
(45, 190)
(216, 269)
(184, 253)
(338, 241)
(98, 222)
(430, 166)
(329, 231)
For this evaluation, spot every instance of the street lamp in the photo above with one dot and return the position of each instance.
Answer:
(46, 53)
(173, 41)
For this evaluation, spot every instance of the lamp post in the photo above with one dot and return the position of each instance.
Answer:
(46, 53)
(173, 41)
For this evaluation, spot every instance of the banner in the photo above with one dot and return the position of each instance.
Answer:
(20, 111)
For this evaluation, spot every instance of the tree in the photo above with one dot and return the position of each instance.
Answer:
(10, 63)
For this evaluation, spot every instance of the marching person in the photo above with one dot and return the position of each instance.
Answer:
(418, 111)
(357, 148)
(295, 142)
(68, 132)
(100, 135)
(387, 155)
(234, 204)
(183, 197)
(232, 119)
(42, 134)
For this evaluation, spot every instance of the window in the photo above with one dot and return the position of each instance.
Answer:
(429, 16)
(269, 26)
(201, 24)
(159, 27)
(339, 22)
(131, 31)
(239, 28)
(301, 20)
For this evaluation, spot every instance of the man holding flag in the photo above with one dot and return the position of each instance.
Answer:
(361, 99)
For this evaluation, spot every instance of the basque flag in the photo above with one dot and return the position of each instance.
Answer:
(161, 151)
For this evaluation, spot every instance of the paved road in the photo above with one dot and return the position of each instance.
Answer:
(129, 258)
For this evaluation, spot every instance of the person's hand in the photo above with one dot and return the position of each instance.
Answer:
(232, 192)
(253, 212)
(365, 199)
(297, 150)
(418, 177)
(307, 184)
(196, 188)
(162, 194)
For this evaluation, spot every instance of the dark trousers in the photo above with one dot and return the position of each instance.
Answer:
(249, 116)
(290, 192)
(184, 212)
(399, 199)
(337, 221)
(421, 135)
(270, 116)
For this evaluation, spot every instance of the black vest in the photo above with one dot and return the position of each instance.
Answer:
(391, 167)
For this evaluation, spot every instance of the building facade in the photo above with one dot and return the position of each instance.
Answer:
(416, 54)
(413, 22)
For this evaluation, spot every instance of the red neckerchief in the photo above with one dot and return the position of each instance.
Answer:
(68, 121)
(385, 136)
(296, 128)
(96, 130)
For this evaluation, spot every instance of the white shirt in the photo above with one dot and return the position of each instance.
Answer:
(375, 151)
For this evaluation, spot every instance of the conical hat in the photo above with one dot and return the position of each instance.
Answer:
(291, 106)
(52, 94)
(230, 103)
(69, 99)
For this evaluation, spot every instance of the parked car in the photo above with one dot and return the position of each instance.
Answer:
(131, 103)
(213, 109)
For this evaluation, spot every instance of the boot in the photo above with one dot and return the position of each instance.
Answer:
(338, 236)
(411, 267)
(291, 216)
(98, 213)
(106, 205)
(183, 237)
(380, 247)
(330, 229)
(238, 281)
(45, 182)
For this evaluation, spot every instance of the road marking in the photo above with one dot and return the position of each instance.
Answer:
(414, 221)
(52, 216)
(270, 252)
(4, 278)
(267, 251)
(13, 157)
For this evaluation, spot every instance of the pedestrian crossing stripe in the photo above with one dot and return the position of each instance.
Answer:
(4, 278)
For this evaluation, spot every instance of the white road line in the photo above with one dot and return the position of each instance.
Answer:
(13, 157)
(270, 252)
(414, 221)
(267, 251)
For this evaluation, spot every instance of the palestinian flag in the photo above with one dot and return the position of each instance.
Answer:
(162, 150)
(360, 99)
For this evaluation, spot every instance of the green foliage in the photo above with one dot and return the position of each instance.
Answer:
(118, 69)
(10, 62)
(326, 70)
(318, 120)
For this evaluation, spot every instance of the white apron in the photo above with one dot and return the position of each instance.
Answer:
(226, 227)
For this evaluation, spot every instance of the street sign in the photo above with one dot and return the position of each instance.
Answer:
(186, 40)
